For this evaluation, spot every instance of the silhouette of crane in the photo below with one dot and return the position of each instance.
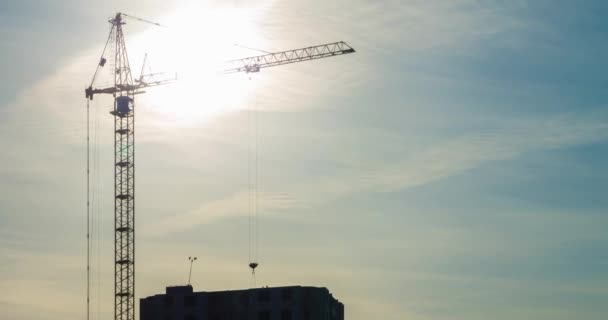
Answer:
(272, 59)
(123, 91)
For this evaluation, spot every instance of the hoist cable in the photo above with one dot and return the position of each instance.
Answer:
(88, 215)
(252, 180)
(100, 192)
(249, 206)
(255, 110)
(96, 210)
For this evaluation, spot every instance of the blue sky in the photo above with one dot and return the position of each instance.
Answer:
(453, 168)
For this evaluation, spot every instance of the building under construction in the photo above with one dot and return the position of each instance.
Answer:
(279, 303)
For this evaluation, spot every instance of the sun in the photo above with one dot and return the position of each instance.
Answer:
(198, 40)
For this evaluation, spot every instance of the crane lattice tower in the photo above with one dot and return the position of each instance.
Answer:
(123, 92)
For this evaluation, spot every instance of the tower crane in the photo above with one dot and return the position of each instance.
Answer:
(123, 92)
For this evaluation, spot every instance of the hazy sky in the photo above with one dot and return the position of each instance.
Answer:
(453, 168)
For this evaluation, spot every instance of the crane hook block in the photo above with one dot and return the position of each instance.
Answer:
(253, 265)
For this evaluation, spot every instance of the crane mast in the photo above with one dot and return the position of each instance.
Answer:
(124, 181)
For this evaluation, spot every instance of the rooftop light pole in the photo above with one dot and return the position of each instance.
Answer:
(191, 259)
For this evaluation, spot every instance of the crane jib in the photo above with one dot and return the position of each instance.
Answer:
(255, 63)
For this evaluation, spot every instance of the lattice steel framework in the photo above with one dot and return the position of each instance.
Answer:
(254, 64)
(124, 181)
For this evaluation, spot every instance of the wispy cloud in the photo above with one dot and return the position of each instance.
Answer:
(463, 153)
(239, 204)
(416, 167)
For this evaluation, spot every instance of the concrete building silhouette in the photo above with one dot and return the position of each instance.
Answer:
(278, 303)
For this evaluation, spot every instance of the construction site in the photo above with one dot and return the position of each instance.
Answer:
(303, 160)
(181, 302)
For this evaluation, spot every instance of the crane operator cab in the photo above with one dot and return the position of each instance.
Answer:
(122, 106)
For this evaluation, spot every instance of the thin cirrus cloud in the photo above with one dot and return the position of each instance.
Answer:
(232, 206)
(425, 273)
(428, 165)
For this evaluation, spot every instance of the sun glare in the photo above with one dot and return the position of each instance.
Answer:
(194, 46)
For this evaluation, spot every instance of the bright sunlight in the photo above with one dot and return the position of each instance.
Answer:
(195, 44)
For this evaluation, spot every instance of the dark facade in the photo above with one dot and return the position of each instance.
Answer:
(280, 303)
